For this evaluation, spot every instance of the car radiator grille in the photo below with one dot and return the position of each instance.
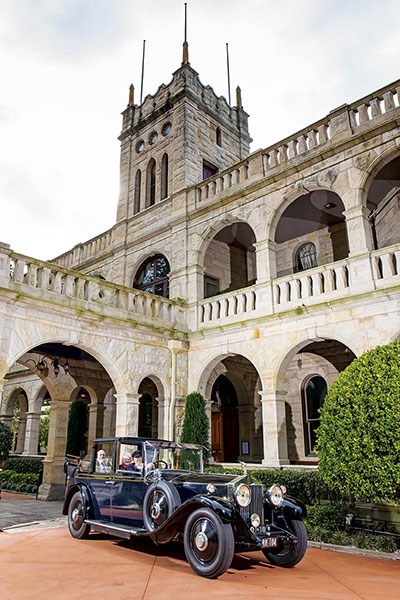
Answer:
(256, 505)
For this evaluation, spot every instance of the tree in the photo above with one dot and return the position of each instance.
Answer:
(195, 425)
(77, 428)
(6, 438)
(358, 441)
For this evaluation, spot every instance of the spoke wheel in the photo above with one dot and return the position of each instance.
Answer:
(289, 554)
(209, 543)
(76, 517)
(160, 501)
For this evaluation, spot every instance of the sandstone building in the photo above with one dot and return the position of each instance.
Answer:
(252, 278)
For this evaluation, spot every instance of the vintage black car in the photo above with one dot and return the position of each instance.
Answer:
(167, 496)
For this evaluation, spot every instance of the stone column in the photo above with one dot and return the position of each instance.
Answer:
(274, 428)
(32, 433)
(266, 272)
(359, 231)
(266, 260)
(360, 243)
(3, 417)
(96, 418)
(127, 420)
(53, 484)
(21, 435)
(163, 416)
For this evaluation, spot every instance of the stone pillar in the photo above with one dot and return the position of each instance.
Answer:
(32, 433)
(359, 231)
(195, 283)
(96, 419)
(266, 260)
(274, 428)
(127, 420)
(3, 417)
(21, 434)
(53, 484)
(163, 417)
(360, 243)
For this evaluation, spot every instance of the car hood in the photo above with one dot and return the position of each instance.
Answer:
(205, 478)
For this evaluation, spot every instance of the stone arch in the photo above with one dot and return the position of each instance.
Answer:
(228, 257)
(380, 195)
(318, 357)
(324, 227)
(209, 233)
(370, 172)
(230, 384)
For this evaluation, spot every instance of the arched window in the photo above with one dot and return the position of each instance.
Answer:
(306, 257)
(153, 276)
(136, 199)
(151, 183)
(314, 393)
(164, 177)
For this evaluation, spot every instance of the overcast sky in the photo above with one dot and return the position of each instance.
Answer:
(65, 71)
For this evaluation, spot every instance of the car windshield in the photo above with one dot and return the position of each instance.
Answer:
(172, 455)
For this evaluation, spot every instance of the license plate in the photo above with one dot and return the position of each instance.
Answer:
(269, 542)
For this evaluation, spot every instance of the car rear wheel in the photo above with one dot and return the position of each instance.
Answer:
(289, 554)
(76, 517)
(160, 501)
(209, 543)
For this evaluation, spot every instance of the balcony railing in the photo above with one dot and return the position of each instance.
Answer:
(327, 283)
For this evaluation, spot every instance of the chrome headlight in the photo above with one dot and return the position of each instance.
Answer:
(243, 495)
(275, 495)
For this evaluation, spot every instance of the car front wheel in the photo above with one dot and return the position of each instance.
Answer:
(209, 543)
(76, 518)
(289, 554)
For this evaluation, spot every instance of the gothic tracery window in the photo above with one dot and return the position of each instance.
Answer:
(153, 276)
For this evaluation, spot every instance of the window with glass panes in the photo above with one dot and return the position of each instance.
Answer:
(153, 276)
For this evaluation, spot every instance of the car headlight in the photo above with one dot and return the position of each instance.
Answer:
(243, 495)
(275, 495)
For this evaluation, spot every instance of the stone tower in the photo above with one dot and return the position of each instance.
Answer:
(183, 134)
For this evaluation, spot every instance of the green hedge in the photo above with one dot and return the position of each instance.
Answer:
(307, 486)
(18, 482)
(23, 464)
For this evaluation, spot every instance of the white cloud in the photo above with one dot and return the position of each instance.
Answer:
(69, 64)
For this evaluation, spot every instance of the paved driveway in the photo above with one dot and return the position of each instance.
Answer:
(41, 562)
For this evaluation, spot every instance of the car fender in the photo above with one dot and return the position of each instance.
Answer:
(176, 523)
(85, 497)
(294, 509)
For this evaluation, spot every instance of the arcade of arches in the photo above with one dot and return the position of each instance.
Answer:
(256, 286)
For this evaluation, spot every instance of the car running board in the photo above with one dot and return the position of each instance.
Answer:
(123, 531)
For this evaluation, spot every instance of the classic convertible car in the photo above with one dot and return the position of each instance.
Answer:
(163, 493)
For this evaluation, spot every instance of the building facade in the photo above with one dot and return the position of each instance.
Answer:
(254, 279)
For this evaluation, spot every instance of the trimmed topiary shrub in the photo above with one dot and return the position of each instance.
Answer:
(195, 425)
(6, 437)
(358, 441)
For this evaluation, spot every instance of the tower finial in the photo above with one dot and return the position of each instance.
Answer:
(239, 97)
(131, 95)
(185, 53)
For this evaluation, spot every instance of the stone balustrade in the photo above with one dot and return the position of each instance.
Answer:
(385, 264)
(317, 282)
(227, 305)
(46, 280)
(84, 251)
(322, 284)
(343, 121)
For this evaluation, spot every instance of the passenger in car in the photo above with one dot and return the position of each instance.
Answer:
(101, 462)
(137, 462)
(126, 461)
